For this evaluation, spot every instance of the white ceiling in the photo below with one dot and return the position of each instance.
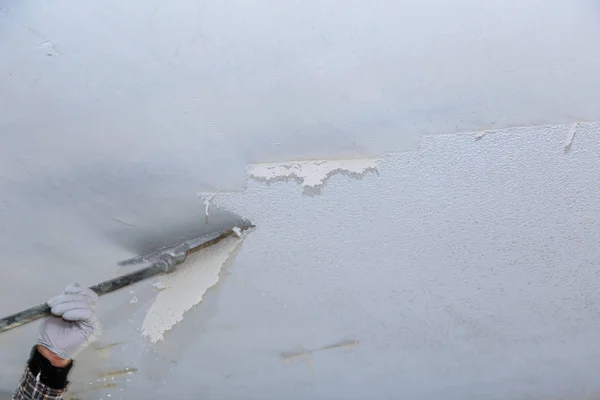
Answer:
(115, 114)
(236, 80)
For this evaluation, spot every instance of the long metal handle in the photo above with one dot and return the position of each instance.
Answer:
(41, 311)
(23, 317)
(109, 286)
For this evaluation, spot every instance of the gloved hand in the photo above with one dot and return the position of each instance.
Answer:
(74, 325)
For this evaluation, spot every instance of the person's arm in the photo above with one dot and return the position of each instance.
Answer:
(73, 327)
(42, 379)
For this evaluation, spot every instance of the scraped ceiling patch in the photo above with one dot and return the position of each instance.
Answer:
(311, 174)
(185, 288)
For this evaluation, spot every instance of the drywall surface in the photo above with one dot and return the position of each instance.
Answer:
(465, 269)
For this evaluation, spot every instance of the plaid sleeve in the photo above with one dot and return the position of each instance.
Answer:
(31, 388)
(41, 380)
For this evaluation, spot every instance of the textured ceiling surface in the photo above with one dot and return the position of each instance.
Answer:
(466, 268)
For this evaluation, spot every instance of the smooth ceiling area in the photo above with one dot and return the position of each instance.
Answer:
(247, 81)
(465, 268)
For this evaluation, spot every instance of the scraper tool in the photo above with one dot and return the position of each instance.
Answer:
(162, 261)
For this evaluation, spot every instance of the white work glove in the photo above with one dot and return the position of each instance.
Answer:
(74, 325)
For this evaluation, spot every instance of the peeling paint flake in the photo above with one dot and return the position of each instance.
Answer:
(569, 137)
(311, 174)
(208, 198)
(159, 285)
(186, 287)
(480, 134)
(118, 373)
(339, 345)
